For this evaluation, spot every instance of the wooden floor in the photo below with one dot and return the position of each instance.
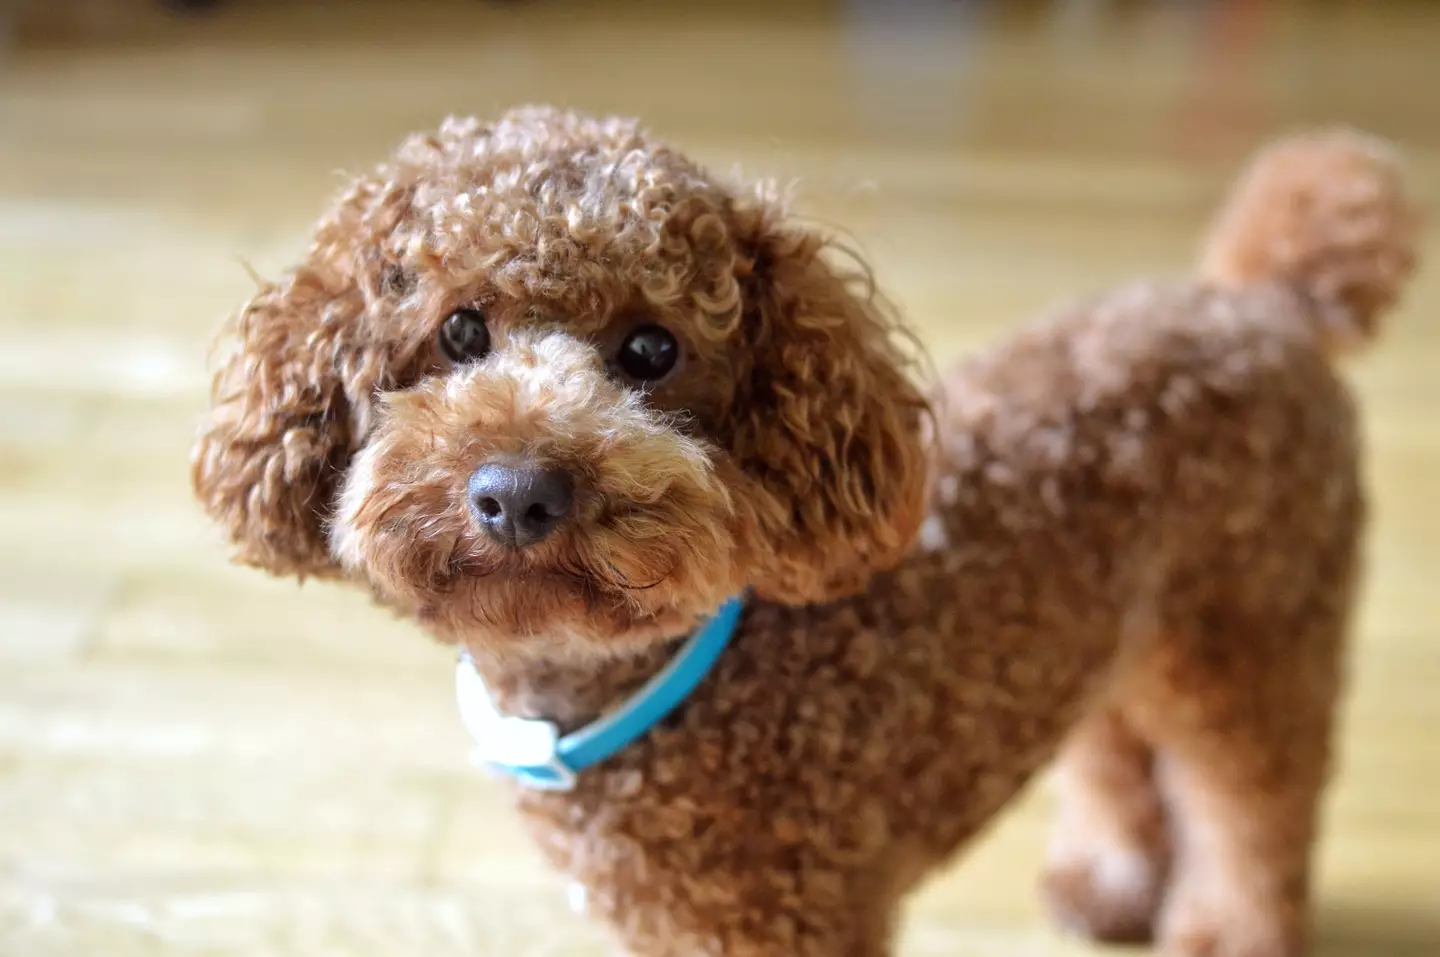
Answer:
(197, 761)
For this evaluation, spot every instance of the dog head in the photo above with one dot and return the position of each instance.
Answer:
(548, 387)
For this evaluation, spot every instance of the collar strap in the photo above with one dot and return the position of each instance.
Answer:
(532, 750)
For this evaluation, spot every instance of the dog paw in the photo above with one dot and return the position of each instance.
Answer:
(1241, 931)
(1110, 897)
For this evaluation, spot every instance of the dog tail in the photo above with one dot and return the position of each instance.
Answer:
(1329, 214)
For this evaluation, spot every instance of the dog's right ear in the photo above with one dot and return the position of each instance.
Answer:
(291, 402)
(278, 430)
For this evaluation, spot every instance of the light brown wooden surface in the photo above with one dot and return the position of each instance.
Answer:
(195, 760)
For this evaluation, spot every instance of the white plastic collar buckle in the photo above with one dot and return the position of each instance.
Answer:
(528, 747)
(533, 751)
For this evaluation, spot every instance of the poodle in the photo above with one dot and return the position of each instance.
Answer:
(556, 393)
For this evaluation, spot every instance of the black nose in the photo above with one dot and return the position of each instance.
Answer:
(519, 504)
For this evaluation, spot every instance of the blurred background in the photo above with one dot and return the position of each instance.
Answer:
(197, 760)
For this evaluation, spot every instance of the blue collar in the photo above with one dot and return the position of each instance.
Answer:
(532, 750)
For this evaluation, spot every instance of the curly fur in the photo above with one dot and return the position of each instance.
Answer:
(1127, 536)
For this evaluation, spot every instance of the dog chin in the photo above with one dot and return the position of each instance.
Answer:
(553, 614)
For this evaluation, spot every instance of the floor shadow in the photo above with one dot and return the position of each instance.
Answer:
(1377, 930)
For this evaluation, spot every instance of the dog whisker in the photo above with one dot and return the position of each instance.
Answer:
(621, 581)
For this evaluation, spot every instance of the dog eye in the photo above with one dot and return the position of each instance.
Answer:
(463, 335)
(648, 353)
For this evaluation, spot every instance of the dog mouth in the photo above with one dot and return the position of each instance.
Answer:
(566, 568)
(567, 598)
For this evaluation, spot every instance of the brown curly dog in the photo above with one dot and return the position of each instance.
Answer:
(1127, 536)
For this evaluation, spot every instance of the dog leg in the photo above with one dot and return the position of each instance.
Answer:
(1108, 850)
(1241, 716)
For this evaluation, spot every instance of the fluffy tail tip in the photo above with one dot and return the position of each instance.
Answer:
(1328, 213)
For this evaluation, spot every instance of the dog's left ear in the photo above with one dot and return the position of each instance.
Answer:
(829, 422)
